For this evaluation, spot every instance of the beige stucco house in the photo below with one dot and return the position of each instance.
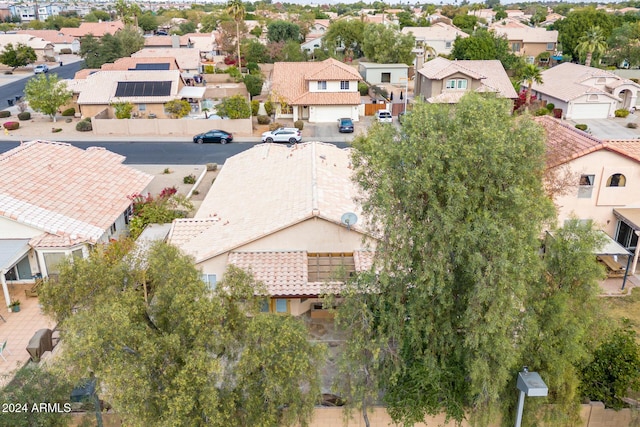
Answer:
(57, 200)
(279, 212)
(43, 49)
(440, 37)
(443, 81)
(529, 42)
(602, 180)
(585, 92)
(320, 92)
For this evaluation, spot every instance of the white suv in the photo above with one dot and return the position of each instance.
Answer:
(291, 135)
(384, 116)
(42, 68)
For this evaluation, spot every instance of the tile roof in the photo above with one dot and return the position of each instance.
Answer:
(290, 80)
(566, 143)
(98, 29)
(286, 273)
(265, 189)
(27, 39)
(68, 192)
(566, 81)
(188, 59)
(491, 74)
(129, 62)
(100, 87)
(438, 31)
(327, 98)
(53, 36)
(527, 34)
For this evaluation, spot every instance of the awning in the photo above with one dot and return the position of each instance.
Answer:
(630, 216)
(11, 251)
(195, 92)
(611, 247)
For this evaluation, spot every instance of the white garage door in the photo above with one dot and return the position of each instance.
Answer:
(590, 111)
(326, 114)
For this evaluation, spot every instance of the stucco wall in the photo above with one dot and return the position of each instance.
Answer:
(169, 127)
(14, 230)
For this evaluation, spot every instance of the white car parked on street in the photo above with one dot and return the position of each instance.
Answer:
(384, 116)
(291, 135)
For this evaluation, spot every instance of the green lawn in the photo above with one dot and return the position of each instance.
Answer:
(627, 306)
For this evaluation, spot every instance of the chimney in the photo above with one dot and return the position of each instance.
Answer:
(175, 41)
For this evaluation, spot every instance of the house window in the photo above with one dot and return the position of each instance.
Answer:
(128, 214)
(447, 45)
(77, 254)
(592, 98)
(617, 180)
(142, 107)
(210, 280)
(286, 109)
(530, 59)
(344, 85)
(281, 305)
(264, 306)
(515, 47)
(586, 186)
(52, 260)
(113, 228)
(21, 271)
(322, 85)
(385, 78)
(551, 46)
(456, 84)
(626, 237)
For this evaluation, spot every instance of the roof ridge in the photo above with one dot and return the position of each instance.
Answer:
(28, 144)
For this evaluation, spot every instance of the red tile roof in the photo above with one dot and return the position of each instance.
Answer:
(98, 29)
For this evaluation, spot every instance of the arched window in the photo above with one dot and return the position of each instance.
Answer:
(616, 180)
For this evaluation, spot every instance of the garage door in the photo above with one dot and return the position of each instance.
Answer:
(326, 114)
(589, 111)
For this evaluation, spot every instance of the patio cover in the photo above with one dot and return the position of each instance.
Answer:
(11, 250)
(611, 247)
(195, 92)
(631, 216)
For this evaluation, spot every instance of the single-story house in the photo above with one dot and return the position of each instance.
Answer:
(44, 49)
(188, 59)
(374, 74)
(443, 81)
(96, 29)
(315, 91)
(59, 40)
(585, 92)
(287, 215)
(57, 200)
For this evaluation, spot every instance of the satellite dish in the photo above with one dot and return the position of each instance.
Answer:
(349, 219)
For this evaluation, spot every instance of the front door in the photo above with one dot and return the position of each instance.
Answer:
(305, 112)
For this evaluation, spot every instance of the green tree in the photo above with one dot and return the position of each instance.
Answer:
(89, 50)
(56, 22)
(483, 44)
(614, 370)
(236, 10)
(209, 23)
(46, 93)
(148, 22)
(122, 109)
(97, 15)
(162, 209)
(234, 107)
(577, 23)
(466, 23)
(387, 45)
(283, 31)
(187, 27)
(253, 83)
(178, 108)
(32, 385)
(591, 43)
(531, 74)
(347, 34)
(130, 40)
(622, 46)
(254, 51)
(168, 350)
(18, 56)
(288, 51)
(447, 293)
(128, 11)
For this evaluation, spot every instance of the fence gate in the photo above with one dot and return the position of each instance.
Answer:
(370, 109)
(396, 109)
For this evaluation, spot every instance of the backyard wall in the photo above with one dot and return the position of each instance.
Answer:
(169, 127)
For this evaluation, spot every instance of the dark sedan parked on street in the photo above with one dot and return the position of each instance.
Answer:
(214, 135)
(345, 125)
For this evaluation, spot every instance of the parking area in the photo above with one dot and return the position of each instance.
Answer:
(613, 128)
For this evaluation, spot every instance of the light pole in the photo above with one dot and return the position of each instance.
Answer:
(406, 91)
(531, 384)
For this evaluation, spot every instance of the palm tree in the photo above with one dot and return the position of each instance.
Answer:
(236, 10)
(531, 74)
(592, 42)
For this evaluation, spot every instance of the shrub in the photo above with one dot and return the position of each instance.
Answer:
(84, 126)
(263, 120)
(5, 113)
(209, 69)
(274, 126)
(24, 116)
(268, 107)
(69, 112)
(581, 126)
(635, 80)
(212, 167)
(189, 179)
(542, 112)
(166, 171)
(66, 51)
(621, 112)
(632, 125)
(363, 88)
(56, 130)
(11, 125)
(550, 106)
(255, 106)
(299, 124)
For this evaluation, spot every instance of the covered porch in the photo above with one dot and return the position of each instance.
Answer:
(15, 266)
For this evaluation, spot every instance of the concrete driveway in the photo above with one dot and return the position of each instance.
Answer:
(614, 128)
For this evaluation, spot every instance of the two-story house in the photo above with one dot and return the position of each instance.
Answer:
(529, 42)
(443, 81)
(439, 37)
(319, 92)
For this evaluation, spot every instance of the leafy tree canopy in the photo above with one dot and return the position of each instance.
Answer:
(169, 350)
(254, 51)
(148, 22)
(577, 23)
(345, 33)
(253, 83)
(387, 45)
(466, 23)
(483, 44)
(123, 43)
(622, 45)
(178, 108)
(283, 31)
(234, 107)
(18, 56)
(46, 93)
(97, 15)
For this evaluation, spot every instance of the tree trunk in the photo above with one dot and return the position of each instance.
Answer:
(365, 416)
(528, 99)
(238, 41)
(587, 61)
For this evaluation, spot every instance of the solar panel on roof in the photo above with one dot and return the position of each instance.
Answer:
(153, 66)
(125, 89)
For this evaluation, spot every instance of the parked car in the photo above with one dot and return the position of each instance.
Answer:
(291, 135)
(41, 68)
(345, 125)
(214, 135)
(384, 116)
